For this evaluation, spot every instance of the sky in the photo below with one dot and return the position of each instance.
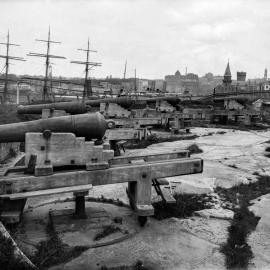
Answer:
(157, 37)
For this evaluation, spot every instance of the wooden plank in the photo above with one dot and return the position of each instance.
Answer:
(142, 121)
(12, 210)
(113, 175)
(121, 134)
(123, 122)
(137, 161)
(31, 163)
(22, 195)
(144, 210)
(11, 217)
(154, 157)
(163, 182)
(14, 169)
(168, 196)
(97, 166)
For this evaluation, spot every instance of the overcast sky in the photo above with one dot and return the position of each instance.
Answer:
(155, 36)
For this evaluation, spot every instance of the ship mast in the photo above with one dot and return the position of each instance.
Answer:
(87, 92)
(7, 57)
(48, 56)
(125, 70)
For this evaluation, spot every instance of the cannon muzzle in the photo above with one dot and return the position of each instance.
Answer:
(90, 126)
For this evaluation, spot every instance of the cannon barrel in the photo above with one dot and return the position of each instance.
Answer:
(80, 107)
(69, 107)
(89, 125)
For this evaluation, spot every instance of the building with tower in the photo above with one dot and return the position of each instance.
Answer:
(227, 79)
(241, 85)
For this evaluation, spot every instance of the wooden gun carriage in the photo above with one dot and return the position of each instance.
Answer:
(59, 162)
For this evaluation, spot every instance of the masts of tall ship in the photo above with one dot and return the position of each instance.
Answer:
(135, 83)
(7, 58)
(48, 56)
(87, 92)
(124, 78)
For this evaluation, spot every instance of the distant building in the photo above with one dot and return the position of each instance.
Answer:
(241, 76)
(159, 86)
(227, 79)
(191, 83)
(229, 86)
(209, 76)
(208, 82)
(142, 85)
(174, 83)
(179, 84)
(108, 87)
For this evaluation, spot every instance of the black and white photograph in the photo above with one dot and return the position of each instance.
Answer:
(134, 135)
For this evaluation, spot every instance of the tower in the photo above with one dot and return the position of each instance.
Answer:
(227, 79)
(265, 74)
(177, 74)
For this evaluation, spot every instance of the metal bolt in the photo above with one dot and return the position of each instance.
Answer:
(47, 134)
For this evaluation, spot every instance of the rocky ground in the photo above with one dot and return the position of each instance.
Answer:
(230, 157)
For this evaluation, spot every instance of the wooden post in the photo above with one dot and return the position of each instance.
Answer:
(139, 194)
(80, 205)
(143, 191)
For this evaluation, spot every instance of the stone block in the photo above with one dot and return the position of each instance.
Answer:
(41, 170)
(63, 149)
(97, 166)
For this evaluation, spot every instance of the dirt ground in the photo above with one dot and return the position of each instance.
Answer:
(193, 243)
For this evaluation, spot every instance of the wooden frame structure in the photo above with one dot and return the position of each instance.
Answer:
(139, 171)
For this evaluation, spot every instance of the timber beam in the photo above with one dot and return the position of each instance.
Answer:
(114, 175)
(152, 157)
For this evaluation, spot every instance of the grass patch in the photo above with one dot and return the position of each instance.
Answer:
(185, 206)
(221, 132)
(194, 149)
(237, 251)
(102, 199)
(246, 192)
(107, 230)
(153, 138)
(7, 259)
(232, 166)
(137, 266)
(53, 251)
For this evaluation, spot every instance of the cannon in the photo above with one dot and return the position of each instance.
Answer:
(126, 102)
(89, 125)
(60, 157)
